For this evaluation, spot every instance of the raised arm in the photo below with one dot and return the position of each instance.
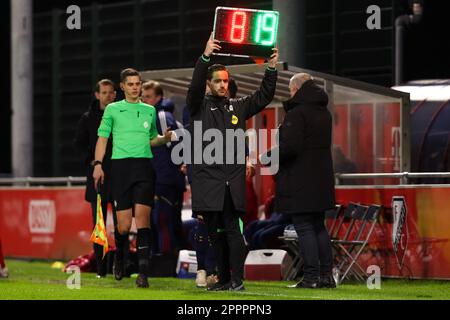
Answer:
(261, 98)
(196, 91)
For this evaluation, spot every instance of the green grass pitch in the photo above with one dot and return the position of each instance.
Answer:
(37, 280)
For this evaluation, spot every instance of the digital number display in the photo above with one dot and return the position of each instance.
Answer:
(246, 32)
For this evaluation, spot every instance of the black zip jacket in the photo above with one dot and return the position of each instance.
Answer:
(210, 180)
(85, 141)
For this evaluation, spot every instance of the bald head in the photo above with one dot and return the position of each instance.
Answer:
(297, 81)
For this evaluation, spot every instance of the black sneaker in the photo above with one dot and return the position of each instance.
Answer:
(128, 270)
(327, 282)
(237, 286)
(219, 286)
(118, 269)
(142, 281)
(305, 284)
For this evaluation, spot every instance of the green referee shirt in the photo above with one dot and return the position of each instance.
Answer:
(132, 125)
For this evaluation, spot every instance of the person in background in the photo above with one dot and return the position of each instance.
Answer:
(341, 163)
(263, 234)
(305, 180)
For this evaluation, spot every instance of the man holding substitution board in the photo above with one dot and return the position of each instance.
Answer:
(218, 188)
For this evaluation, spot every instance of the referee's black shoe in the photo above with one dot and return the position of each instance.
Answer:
(118, 268)
(218, 286)
(142, 281)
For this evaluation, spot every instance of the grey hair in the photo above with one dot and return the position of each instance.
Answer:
(299, 79)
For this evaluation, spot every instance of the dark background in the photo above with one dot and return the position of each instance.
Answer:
(5, 90)
(171, 34)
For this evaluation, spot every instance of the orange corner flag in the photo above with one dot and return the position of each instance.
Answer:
(99, 234)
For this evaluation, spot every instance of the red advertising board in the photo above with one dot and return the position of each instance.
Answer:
(56, 223)
(417, 248)
(48, 223)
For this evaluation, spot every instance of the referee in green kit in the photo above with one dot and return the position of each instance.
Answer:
(132, 124)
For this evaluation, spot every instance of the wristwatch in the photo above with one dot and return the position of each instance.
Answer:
(96, 162)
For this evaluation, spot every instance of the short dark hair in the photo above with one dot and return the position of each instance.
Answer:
(128, 72)
(232, 88)
(214, 68)
(103, 82)
(155, 85)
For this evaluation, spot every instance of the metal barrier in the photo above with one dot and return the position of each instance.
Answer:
(403, 176)
(339, 177)
(42, 181)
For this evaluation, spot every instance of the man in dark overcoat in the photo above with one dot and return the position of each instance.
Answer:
(305, 180)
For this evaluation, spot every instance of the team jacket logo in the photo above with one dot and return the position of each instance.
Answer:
(145, 124)
(234, 119)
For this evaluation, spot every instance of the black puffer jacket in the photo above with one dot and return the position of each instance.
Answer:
(210, 180)
(305, 180)
(85, 141)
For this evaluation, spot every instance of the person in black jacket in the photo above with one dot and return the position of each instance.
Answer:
(305, 180)
(85, 141)
(218, 187)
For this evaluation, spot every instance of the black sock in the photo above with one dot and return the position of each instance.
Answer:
(121, 243)
(143, 249)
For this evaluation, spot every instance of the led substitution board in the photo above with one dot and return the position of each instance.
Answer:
(245, 32)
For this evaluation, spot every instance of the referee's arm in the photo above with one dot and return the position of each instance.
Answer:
(100, 150)
(103, 132)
